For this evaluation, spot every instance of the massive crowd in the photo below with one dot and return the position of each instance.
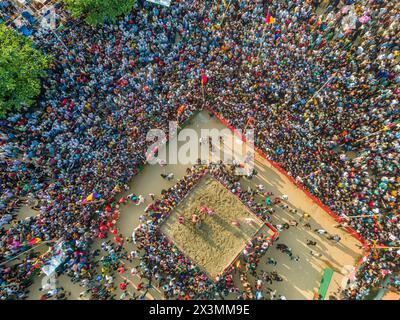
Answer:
(7, 10)
(109, 85)
(163, 259)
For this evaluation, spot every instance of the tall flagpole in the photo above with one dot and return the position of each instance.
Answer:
(376, 132)
(362, 216)
(324, 85)
(383, 248)
(262, 41)
(263, 33)
(227, 7)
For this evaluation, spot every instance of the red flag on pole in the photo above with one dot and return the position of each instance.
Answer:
(204, 79)
(250, 121)
(391, 125)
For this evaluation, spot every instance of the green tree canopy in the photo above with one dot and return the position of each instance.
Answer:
(97, 11)
(21, 67)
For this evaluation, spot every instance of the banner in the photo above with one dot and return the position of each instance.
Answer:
(58, 258)
(166, 3)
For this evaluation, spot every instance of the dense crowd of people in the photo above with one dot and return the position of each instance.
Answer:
(343, 144)
(7, 10)
(163, 259)
(319, 85)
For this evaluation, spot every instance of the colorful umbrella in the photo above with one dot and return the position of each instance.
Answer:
(364, 19)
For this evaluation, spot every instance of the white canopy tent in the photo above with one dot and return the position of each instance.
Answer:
(166, 3)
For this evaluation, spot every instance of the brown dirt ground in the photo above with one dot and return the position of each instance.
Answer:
(216, 243)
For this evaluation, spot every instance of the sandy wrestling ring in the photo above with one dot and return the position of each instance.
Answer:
(216, 243)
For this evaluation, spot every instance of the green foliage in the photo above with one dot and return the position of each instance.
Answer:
(97, 11)
(21, 67)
